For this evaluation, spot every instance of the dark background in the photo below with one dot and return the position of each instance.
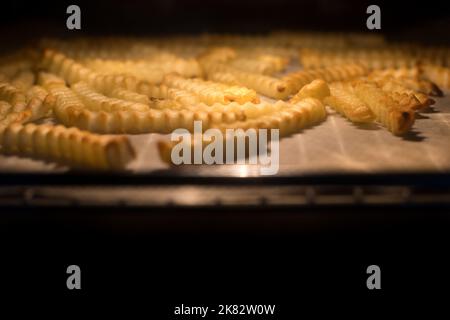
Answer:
(241, 16)
(149, 259)
(304, 260)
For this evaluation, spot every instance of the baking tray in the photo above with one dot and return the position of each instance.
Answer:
(335, 146)
(333, 164)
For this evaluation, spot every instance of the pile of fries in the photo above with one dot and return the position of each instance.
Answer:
(74, 102)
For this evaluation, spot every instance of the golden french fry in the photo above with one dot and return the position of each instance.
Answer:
(5, 108)
(128, 95)
(399, 92)
(268, 86)
(289, 118)
(73, 72)
(67, 145)
(71, 110)
(210, 92)
(219, 54)
(410, 78)
(223, 77)
(344, 101)
(439, 75)
(406, 101)
(14, 96)
(182, 97)
(95, 101)
(316, 89)
(397, 73)
(387, 111)
(152, 71)
(409, 99)
(260, 66)
(36, 96)
(23, 107)
(374, 58)
(16, 117)
(296, 80)
(23, 80)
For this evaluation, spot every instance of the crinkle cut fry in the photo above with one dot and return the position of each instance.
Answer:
(69, 146)
(70, 110)
(278, 56)
(244, 111)
(73, 72)
(61, 99)
(438, 74)
(135, 53)
(104, 48)
(296, 80)
(254, 66)
(410, 78)
(290, 119)
(25, 107)
(23, 80)
(16, 117)
(135, 122)
(406, 101)
(397, 73)
(128, 95)
(37, 105)
(162, 91)
(248, 110)
(370, 58)
(98, 102)
(405, 96)
(268, 86)
(315, 89)
(218, 54)
(115, 67)
(344, 101)
(387, 111)
(14, 105)
(152, 121)
(392, 56)
(151, 71)
(5, 108)
(211, 92)
(223, 77)
(14, 96)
